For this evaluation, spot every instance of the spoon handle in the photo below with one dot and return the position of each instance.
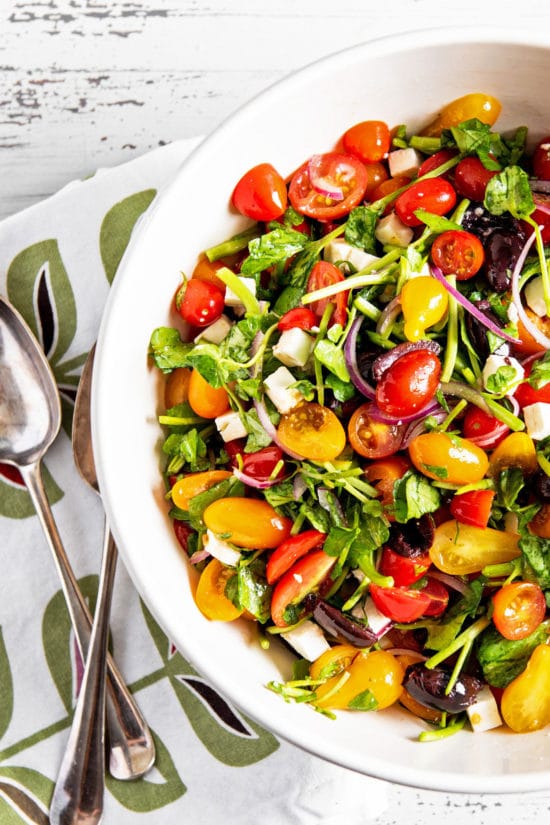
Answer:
(132, 750)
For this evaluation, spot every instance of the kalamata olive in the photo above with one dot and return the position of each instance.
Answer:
(428, 687)
(541, 486)
(478, 332)
(479, 221)
(336, 624)
(365, 360)
(389, 357)
(502, 250)
(413, 538)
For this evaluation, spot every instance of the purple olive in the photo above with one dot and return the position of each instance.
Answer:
(480, 222)
(335, 623)
(478, 332)
(541, 486)
(414, 538)
(502, 250)
(428, 687)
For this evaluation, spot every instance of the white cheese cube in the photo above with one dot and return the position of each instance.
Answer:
(377, 621)
(308, 640)
(221, 550)
(483, 713)
(294, 347)
(216, 332)
(494, 363)
(404, 162)
(230, 426)
(337, 251)
(279, 390)
(537, 420)
(534, 296)
(232, 300)
(391, 230)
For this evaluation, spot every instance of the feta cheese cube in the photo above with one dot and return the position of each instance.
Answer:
(377, 621)
(293, 347)
(537, 420)
(337, 251)
(534, 296)
(232, 300)
(391, 230)
(404, 162)
(221, 550)
(496, 362)
(307, 639)
(216, 332)
(230, 426)
(483, 713)
(279, 390)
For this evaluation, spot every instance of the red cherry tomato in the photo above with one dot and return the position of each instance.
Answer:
(260, 194)
(479, 423)
(458, 253)
(373, 439)
(383, 474)
(435, 195)
(471, 178)
(234, 449)
(473, 507)
(290, 551)
(369, 140)
(388, 187)
(182, 531)
(438, 595)
(402, 569)
(339, 170)
(541, 159)
(518, 609)
(435, 161)
(542, 217)
(324, 274)
(297, 318)
(261, 464)
(409, 383)
(200, 303)
(400, 604)
(526, 394)
(305, 576)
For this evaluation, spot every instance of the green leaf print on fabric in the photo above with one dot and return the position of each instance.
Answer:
(231, 737)
(6, 688)
(15, 502)
(117, 227)
(24, 797)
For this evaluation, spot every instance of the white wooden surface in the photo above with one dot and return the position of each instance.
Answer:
(88, 83)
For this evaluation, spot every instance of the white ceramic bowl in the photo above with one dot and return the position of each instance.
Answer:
(403, 79)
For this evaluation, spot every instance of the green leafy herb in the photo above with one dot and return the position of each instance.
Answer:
(414, 496)
(363, 701)
(272, 248)
(331, 356)
(253, 591)
(501, 659)
(343, 390)
(199, 503)
(186, 449)
(537, 552)
(435, 223)
(540, 372)
(360, 227)
(257, 436)
(168, 350)
(509, 191)
(502, 380)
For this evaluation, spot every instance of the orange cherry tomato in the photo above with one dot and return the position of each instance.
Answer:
(312, 431)
(210, 594)
(206, 270)
(342, 172)
(260, 194)
(305, 576)
(458, 253)
(516, 450)
(376, 174)
(205, 400)
(528, 344)
(176, 389)
(473, 507)
(324, 274)
(375, 682)
(290, 551)
(449, 458)
(369, 140)
(247, 522)
(383, 474)
(518, 609)
(388, 187)
(461, 549)
(371, 438)
(191, 485)
(525, 703)
(540, 523)
(474, 105)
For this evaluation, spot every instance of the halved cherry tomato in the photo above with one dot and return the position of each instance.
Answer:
(516, 450)
(176, 389)
(182, 531)
(458, 253)
(333, 661)
(383, 474)
(526, 394)
(375, 673)
(473, 507)
(205, 400)
(518, 609)
(260, 194)
(478, 423)
(435, 195)
(210, 593)
(200, 303)
(376, 174)
(305, 576)
(369, 140)
(528, 344)
(473, 105)
(541, 216)
(340, 170)
(461, 549)
(525, 703)
(247, 522)
(290, 551)
(400, 604)
(449, 458)
(206, 270)
(541, 159)
(439, 597)
(402, 569)
(324, 274)
(371, 438)
(540, 523)
(191, 485)
(409, 383)
(435, 161)
(297, 318)
(312, 431)
(471, 178)
(262, 463)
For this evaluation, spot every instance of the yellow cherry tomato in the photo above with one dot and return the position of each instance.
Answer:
(516, 450)
(424, 302)
(312, 431)
(176, 389)
(446, 457)
(460, 549)
(247, 522)
(482, 106)
(333, 661)
(210, 594)
(191, 485)
(206, 401)
(525, 704)
(378, 672)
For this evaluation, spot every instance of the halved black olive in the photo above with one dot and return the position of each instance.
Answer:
(428, 687)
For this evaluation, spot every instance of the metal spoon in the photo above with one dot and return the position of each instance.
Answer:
(30, 417)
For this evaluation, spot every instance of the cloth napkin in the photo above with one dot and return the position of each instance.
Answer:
(57, 260)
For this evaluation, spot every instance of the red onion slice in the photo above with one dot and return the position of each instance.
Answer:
(542, 186)
(388, 316)
(350, 355)
(418, 427)
(378, 415)
(198, 556)
(531, 328)
(320, 183)
(451, 581)
(543, 206)
(256, 483)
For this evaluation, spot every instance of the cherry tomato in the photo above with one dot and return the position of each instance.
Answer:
(191, 485)
(541, 216)
(435, 195)
(297, 318)
(449, 458)
(176, 389)
(234, 449)
(369, 140)
(371, 438)
(290, 551)
(461, 549)
(305, 576)
(473, 507)
(540, 523)
(206, 270)
(324, 274)
(471, 178)
(200, 303)
(376, 174)
(402, 569)
(439, 597)
(541, 159)
(409, 383)
(260, 194)
(340, 170)
(525, 394)
(333, 661)
(312, 431)
(528, 344)
(377, 672)
(525, 704)
(247, 522)
(435, 161)
(384, 473)
(424, 302)
(458, 253)
(262, 463)
(205, 400)
(474, 105)
(516, 450)
(478, 423)
(518, 609)
(388, 187)
(182, 532)
(210, 594)
(400, 604)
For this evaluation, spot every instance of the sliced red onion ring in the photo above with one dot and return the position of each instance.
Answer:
(488, 440)
(385, 361)
(350, 354)
(388, 316)
(299, 487)
(198, 556)
(531, 328)
(418, 427)
(378, 415)
(268, 426)
(406, 651)
(540, 186)
(542, 207)
(320, 183)
(473, 310)
(450, 581)
(256, 483)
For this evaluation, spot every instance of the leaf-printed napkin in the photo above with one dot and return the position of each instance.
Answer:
(214, 765)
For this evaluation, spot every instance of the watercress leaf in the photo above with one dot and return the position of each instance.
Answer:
(290, 297)
(168, 350)
(257, 436)
(540, 372)
(205, 358)
(199, 503)
(435, 223)
(318, 518)
(502, 659)
(414, 496)
(443, 631)
(509, 191)
(360, 227)
(339, 540)
(189, 448)
(510, 483)
(254, 593)
(332, 357)
(343, 390)
(502, 380)
(363, 701)
(472, 136)
(280, 494)
(537, 553)
(373, 533)
(272, 248)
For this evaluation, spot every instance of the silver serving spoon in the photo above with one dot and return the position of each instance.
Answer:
(79, 791)
(30, 418)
